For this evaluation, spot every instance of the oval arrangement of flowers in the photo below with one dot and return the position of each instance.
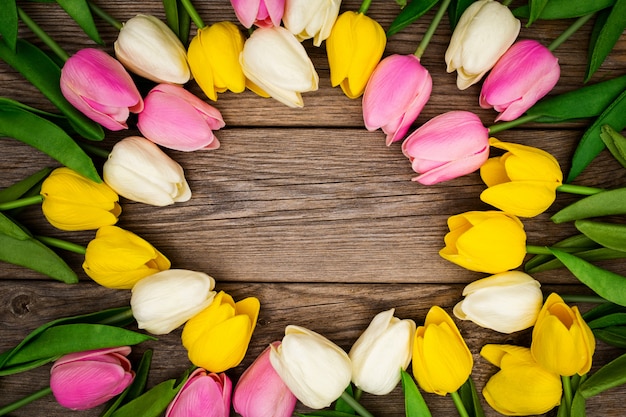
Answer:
(165, 134)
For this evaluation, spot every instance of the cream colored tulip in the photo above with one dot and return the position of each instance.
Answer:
(311, 18)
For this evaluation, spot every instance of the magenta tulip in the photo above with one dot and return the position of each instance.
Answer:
(262, 13)
(100, 87)
(203, 395)
(84, 380)
(524, 74)
(261, 392)
(176, 119)
(447, 146)
(395, 95)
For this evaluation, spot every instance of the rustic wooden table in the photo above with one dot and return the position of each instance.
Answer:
(304, 209)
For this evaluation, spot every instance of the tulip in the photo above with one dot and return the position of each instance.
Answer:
(524, 74)
(204, 394)
(484, 32)
(395, 95)
(262, 13)
(485, 241)
(117, 258)
(163, 301)
(442, 362)
(315, 369)
(278, 64)
(521, 387)
(523, 181)
(562, 342)
(137, 169)
(506, 302)
(214, 59)
(217, 338)
(84, 380)
(381, 351)
(261, 393)
(448, 146)
(311, 18)
(149, 48)
(354, 47)
(100, 88)
(73, 202)
(176, 119)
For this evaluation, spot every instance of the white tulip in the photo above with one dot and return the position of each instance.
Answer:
(311, 18)
(507, 302)
(380, 352)
(163, 301)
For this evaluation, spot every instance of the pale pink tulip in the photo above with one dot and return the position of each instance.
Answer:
(203, 395)
(176, 119)
(100, 87)
(261, 392)
(395, 95)
(262, 13)
(524, 74)
(84, 380)
(447, 146)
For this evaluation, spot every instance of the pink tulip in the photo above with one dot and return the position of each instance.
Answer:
(395, 95)
(87, 379)
(203, 395)
(524, 74)
(261, 392)
(262, 13)
(176, 119)
(447, 146)
(99, 87)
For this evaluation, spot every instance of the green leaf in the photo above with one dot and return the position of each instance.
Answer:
(325, 413)
(602, 310)
(592, 255)
(536, 7)
(577, 241)
(614, 336)
(136, 388)
(605, 203)
(81, 13)
(152, 403)
(171, 15)
(609, 376)
(578, 406)
(610, 28)
(342, 405)
(471, 400)
(413, 11)
(41, 71)
(178, 19)
(565, 9)
(607, 284)
(615, 142)
(20, 188)
(610, 235)
(456, 9)
(9, 22)
(23, 367)
(414, 404)
(615, 319)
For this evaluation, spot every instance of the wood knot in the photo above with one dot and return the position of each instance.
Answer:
(20, 304)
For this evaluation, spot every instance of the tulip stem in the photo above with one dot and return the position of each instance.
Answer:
(61, 244)
(105, 16)
(28, 399)
(21, 202)
(193, 13)
(583, 298)
(41, 34)
(365, 5)
(569, 31)
(431, 29)
(567, 393)
(458, 402)
(545, 250)
(356, 406)
(578, 189)
(499, 127)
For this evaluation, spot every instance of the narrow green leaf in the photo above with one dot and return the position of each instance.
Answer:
(341, 404)
(324, 413)
(413, 11)
(614, 336)
(9, 22)
(565, 9)
(608, 35)
(592, 255)
(609, 376)
(576, 241)
(81, 13)
(471, 400)
(615, 142)
(20, 188)
(610, 235)
(578, 406)
(136, 388)
(605, 203)
(23, 367)
(603, 310)
(184, 24)
(152, 403)
(171, 15)
(414, 404)
(607, 284)
(615, 319)
(456, 9)
(536, 7)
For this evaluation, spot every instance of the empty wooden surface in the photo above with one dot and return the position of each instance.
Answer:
(304, 209)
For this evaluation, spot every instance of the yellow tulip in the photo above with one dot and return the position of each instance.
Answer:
(354, 47)
(117, 258)
(213, 57)
(442, 361)
(73, 202)
(523, 181)
(562, 342)
(485, 241)
(521, 387)
(217, 338)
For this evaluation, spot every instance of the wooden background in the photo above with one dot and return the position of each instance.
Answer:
(304, 209)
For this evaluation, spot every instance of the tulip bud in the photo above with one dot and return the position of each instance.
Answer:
(521, 182)
(524, 74)
(138, 170)
(203, 395)
(261, 393)
(382, 350)
(117, 258)
(311, 18)
(73, 202)
(395, 95)
(149, 48)
(84, 380)
(277, 63)
(176, 119)
(100, 88)
(262, 13)
(484, 32)
(507, 302)
(485, 241)
(217, 338)
(163, 301)
(562, 342)
(315, 369)
(448, 146)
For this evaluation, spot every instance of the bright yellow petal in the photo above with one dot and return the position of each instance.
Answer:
(493, 173)
(520, 198)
